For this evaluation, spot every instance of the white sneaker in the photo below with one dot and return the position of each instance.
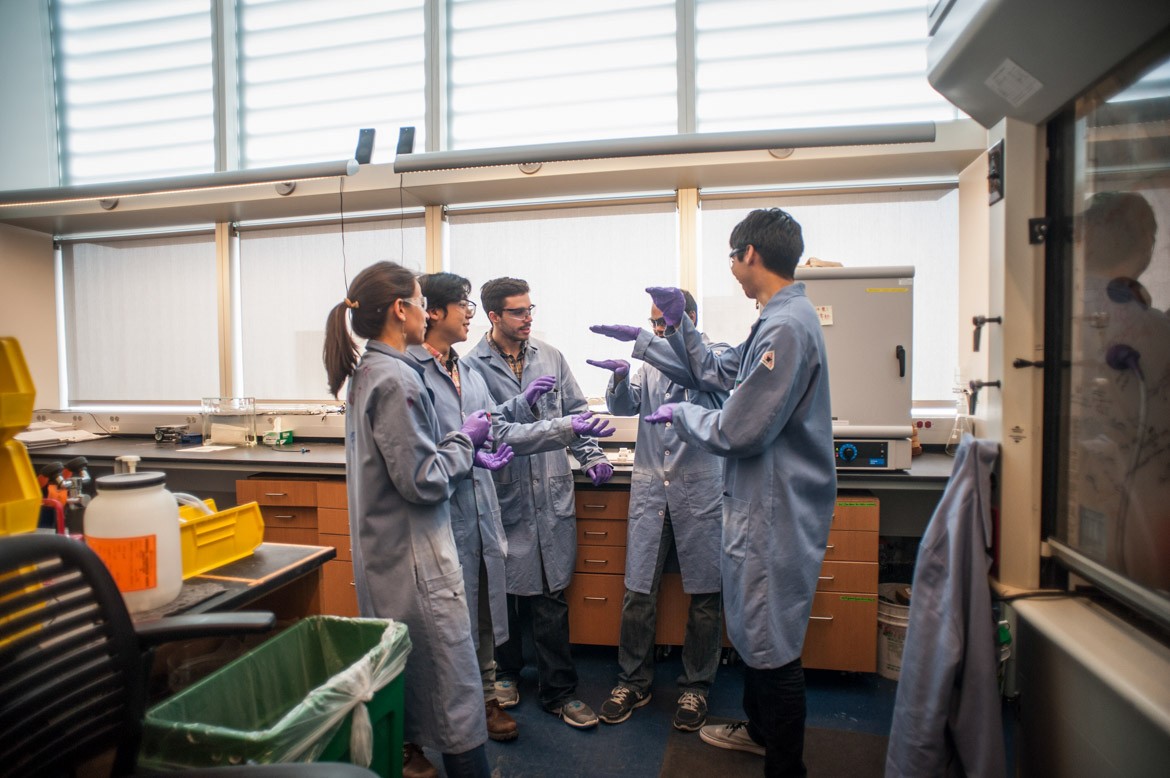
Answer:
(507, 694)
(733, 736)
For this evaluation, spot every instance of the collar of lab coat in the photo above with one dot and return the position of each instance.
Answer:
(382, 348)
(782, 297)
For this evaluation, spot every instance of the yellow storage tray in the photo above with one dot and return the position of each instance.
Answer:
(20, 495)
(17, 393)
(211, 540)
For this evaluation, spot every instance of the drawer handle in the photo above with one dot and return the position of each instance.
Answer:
(598, 599)
(820, 618)
(276, 494)
(830, 546)
(351, 583)
(596, 532)
(598, 507)
(825, 577)
(285, 516)
(597, 561)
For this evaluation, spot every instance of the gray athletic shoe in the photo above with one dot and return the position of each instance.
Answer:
(691, 713)
(575, 713)
(507, 694)
(733, 736)
(621, 703)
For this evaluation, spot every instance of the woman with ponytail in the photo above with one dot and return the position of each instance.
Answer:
(400, 474)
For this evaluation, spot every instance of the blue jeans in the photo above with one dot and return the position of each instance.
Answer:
(700, 656)
(775, 705)
(549, 614)
(469, 764)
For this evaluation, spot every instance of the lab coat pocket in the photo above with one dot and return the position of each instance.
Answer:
(446, 607)
(704, 491)
(560, 495)
(736, 515)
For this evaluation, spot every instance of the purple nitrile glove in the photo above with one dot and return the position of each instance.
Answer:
(494, 460)
(620, 367)
(586, 425)
(600, 473)
(670, 301)
(664, 413)
(622, 332)
(537, 389)
(478, 427)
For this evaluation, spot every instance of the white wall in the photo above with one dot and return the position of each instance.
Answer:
(28, 310)
(27, 127)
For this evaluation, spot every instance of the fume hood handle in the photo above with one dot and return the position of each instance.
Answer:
(979, 321)
(900, 355)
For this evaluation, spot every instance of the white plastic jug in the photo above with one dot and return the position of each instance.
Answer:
(132, 523)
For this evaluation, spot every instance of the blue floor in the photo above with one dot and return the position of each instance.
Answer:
(859, 702)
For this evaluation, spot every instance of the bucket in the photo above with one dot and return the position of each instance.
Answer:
(892, 622)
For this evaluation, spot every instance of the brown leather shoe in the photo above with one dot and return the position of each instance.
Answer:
(500, 725)
(415, 763)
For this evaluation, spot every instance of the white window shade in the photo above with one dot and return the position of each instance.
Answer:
(528, 71)
(314, 72)
(586, 265)
(134, 89)
(762, 64)
(141, 320)
(290, 278)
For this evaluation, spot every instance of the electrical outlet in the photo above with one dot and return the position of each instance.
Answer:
(77, 418)
(113, 428)
(42, 417)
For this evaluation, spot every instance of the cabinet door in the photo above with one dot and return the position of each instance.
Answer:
(601, 559)
(602, 503)
(601, 532)
(277, 492)
(595, 608)
(848, 577)
(338, 593)
(851, 546)
(842, 633)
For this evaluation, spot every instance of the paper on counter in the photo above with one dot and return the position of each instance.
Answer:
(204, 449)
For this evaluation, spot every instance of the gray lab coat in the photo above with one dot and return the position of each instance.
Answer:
(780, 478)
(536, 492)
(400, 473)
(670, 473)
(475, 511)
(947, 718)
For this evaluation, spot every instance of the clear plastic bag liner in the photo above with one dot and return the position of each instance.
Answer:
(282, 702)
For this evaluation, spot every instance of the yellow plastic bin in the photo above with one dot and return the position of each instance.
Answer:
(210, 540)
(17, 393)
(20, 495)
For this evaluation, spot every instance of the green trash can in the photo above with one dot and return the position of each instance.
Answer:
(326, 689)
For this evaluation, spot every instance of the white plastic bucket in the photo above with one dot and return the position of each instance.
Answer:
(892, 622)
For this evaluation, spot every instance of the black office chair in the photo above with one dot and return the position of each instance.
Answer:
(74, 667)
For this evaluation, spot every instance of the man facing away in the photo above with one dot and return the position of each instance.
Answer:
(536, 502)
(674, 502)
(775, 433)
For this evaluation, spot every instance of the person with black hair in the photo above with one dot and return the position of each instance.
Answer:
(775, 433)
(401, 471)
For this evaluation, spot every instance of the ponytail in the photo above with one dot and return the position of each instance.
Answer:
(340, 353)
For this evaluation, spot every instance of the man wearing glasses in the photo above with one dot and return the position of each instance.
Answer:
(536, 502)
(675, 504)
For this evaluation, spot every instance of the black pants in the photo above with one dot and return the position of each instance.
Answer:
(775, 706)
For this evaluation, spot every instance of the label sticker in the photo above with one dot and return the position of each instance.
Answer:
(769, 359)
(1013, 83)
(133, 562)
(825, 314)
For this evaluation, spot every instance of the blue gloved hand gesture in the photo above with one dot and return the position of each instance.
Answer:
(537, 389)
(622, 332)
(493, 461)
(586, 425)
(662, 414)
(620, 367)
(670, 301)
(478, 427)
(600, 473)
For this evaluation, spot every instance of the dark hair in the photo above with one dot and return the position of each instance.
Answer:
(494, 292)
(776, 237)
(1119, 229)
(371, 294)
(442, 289)
(689, 304)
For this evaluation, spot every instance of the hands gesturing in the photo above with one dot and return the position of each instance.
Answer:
(620, 367)
(494, 460)
(586, 425)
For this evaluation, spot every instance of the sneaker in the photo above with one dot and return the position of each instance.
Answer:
(621, 703)
(415, 764)
(508, 694)
(500, 726)
(734, 736)
(575, 713)
(691, 713)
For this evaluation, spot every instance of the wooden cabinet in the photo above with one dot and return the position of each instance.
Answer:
(312, 513)
(598, 585)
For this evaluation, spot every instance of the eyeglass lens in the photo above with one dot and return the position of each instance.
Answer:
(520, 313)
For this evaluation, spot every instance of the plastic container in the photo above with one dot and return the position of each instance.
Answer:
(17, 393)
(133, 525)
(212, 540)
(229, 421)
(893, 619)
(296, 698)
(20, 495)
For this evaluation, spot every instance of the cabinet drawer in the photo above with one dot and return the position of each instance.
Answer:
(298, 537)
(595, 608)
(842, 633)
(601, 559)
(602, 504)
(848, 577)
(303, 518)
(338, 593)
(336, 521)
(601, 532)
(851, 546)
(339, 542)
(277, 492)
(856, 510)
(332, 494)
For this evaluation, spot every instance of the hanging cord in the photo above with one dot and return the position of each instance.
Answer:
(401, 226)
(341, 213)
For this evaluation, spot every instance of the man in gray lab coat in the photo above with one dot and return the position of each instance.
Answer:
(780, 480)
(674, 502)
(536, 502)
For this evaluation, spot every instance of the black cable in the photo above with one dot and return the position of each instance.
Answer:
(341, 213)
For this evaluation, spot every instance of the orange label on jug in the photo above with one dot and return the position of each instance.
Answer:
(133, 562)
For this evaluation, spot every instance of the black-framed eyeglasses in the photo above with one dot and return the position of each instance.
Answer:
(469, 306)
(737, 253)
(659, 322)
(520, 313)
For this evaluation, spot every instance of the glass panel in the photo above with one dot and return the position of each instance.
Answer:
(584, 265)
(290, 278)
(918, 228)
(163, 343)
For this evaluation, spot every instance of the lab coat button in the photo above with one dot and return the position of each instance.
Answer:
(666, 483)
(661, 513)
(667, 452)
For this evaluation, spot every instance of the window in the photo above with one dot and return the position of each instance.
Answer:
(918, 228)
(162, 344)
(290, 278)
(585, 265)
